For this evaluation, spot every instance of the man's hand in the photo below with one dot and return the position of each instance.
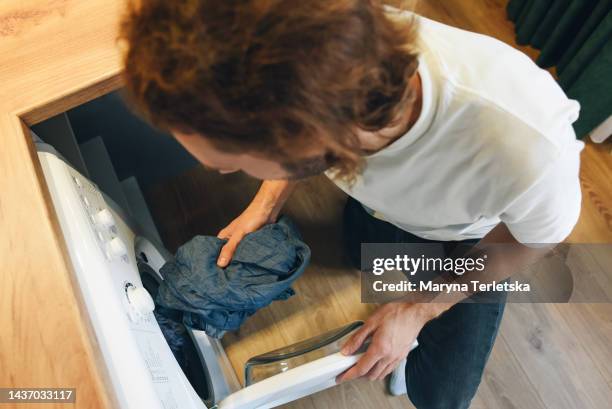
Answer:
(253, 218)
(393, 328)
(263, 209)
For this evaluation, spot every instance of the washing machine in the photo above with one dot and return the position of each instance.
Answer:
(117, 271)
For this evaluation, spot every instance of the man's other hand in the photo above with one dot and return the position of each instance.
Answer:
(393, 329)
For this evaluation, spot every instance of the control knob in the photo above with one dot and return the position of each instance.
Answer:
(140, 299)
(104, 219)
(116, 248)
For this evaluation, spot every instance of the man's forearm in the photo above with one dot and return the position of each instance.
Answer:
(503, 262)
(272, 195)
(506, 256)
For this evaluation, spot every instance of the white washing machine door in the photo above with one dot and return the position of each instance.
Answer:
(291, 385)
(295, 371)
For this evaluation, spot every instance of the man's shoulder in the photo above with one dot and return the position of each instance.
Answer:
(506, 141)
(484, 71)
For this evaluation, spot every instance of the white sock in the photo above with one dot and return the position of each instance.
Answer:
(397, 380)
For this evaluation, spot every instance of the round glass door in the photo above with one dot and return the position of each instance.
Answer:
(280, 360)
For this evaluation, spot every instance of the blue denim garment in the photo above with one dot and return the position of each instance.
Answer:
(215, 299)
(174, 332)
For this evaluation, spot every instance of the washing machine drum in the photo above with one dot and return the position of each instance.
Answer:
(181, 344)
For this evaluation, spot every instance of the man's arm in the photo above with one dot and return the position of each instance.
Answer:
(395, 326)
(263, 209)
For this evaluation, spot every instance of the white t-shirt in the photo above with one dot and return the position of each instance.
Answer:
(493, 143)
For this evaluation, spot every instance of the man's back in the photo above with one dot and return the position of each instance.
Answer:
(493, 143)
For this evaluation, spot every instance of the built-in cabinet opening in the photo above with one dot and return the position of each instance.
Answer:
(108, 144)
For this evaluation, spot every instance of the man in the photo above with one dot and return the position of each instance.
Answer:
(435, 133)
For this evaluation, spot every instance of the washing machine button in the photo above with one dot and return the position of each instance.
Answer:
(104, 219)
(139, 299)
(77, 181)
(116, 248)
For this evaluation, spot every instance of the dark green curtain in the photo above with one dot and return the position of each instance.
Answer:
(576, 37)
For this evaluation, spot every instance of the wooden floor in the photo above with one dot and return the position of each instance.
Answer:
(551, 356)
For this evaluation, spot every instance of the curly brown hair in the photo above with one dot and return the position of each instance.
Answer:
(270, 76)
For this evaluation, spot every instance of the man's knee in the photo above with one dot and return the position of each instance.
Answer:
(437, 395)
(445, 370)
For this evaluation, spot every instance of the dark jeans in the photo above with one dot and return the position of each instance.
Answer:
(444, 371)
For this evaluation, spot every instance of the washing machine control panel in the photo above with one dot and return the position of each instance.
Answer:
(101, 219)
(100, 244)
